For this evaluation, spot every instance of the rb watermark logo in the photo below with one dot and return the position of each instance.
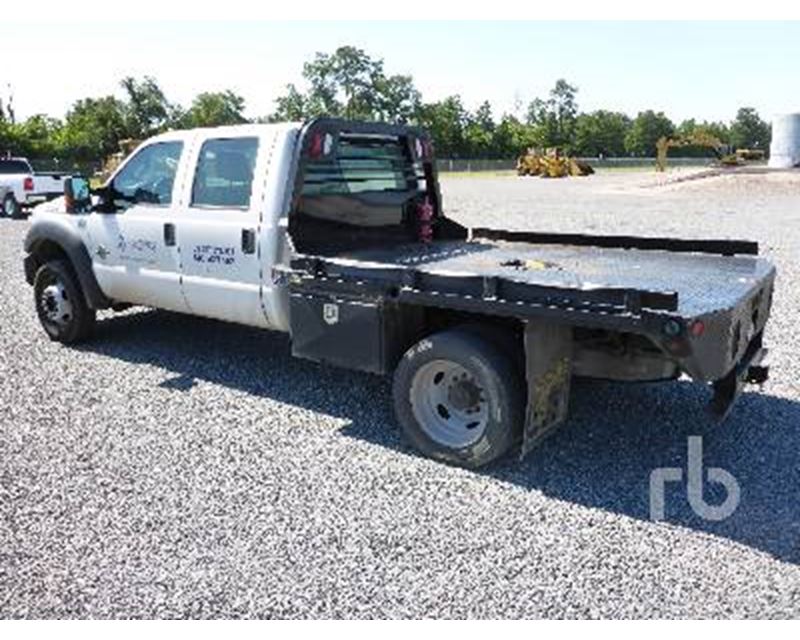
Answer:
(694, 486)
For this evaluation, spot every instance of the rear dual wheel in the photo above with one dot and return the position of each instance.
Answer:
(459, 397)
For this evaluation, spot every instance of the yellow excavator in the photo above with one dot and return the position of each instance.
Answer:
(550, 164)
(697, 139)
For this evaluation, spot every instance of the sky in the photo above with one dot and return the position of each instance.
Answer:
(704, 70)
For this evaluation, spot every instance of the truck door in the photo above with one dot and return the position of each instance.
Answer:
(134, 252)
(219, 230)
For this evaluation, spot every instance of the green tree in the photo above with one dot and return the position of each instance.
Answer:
(213, 109)
(554, 118)
(645, 131)
(749, 131)
(717, 130)
(93, 128)
(290, 107)
(147, 109)
(601, 133)
(690, 127)
(478, 132)
(36, 137)
(512, 137)
(562, 97)
(445, 120)
(542, 122)
(6, 136)
(397, 99)
(349, 83)
(345, 82)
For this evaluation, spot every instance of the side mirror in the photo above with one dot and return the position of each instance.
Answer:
(77, 195)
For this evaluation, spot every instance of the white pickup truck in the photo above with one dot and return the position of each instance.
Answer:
(334, 232)
(23, 188)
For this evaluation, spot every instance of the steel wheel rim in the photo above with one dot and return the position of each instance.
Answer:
(449, 403)
(55, 303)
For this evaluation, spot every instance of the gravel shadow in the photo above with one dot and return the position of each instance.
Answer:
(602, 458)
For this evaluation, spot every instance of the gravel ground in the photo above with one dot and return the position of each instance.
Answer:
(177, 467)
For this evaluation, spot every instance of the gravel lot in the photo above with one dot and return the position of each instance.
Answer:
(177, 467)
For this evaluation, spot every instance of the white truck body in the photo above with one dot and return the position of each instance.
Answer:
(205, 272)
(334, 232)
(19, 181)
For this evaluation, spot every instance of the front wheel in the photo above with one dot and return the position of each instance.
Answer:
(60, 303)
(459, 398)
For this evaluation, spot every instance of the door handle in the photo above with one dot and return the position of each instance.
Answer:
(169, 234)
(248, 241)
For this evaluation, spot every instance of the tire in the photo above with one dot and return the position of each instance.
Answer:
(60, 303)
(458, 398)
(11, 208)
(504, 339)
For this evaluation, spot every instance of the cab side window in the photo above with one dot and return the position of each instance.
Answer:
(224, 173)
(148, 177)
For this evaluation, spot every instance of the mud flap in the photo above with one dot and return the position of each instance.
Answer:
(548, 370)
(751, 370)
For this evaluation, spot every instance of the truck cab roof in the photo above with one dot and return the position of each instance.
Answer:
(236, 130)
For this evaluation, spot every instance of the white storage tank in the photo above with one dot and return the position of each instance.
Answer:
(784, 152)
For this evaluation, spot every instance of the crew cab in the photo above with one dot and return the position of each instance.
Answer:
(24, 187)
(334, 232)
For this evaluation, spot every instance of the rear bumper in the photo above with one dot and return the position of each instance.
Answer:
(33, 199)
(728, 336)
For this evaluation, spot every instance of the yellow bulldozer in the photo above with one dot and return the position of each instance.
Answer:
(697, 139)
(550, 164)
(751, 155)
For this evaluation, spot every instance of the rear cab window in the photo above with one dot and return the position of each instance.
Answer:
(355, 184)
(359, 165)
(224, 173)
(10, 166)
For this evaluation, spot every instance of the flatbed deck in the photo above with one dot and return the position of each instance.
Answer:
(704, 283)
(664, 290)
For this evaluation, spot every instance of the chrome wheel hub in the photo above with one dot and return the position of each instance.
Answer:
(449, 403)
(56, 305)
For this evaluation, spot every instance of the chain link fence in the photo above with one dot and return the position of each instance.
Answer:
(447, 165)
(444, 165)
(87, 168)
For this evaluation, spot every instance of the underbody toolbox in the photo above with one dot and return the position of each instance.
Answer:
(363, 334)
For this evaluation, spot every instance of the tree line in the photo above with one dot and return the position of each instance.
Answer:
(351, 84)
(93, 127)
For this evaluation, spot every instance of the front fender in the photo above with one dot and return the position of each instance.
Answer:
(39, 240)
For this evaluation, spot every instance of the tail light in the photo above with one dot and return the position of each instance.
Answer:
(425, 220)
(315, 146)
(27, 184)
(697, 328)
